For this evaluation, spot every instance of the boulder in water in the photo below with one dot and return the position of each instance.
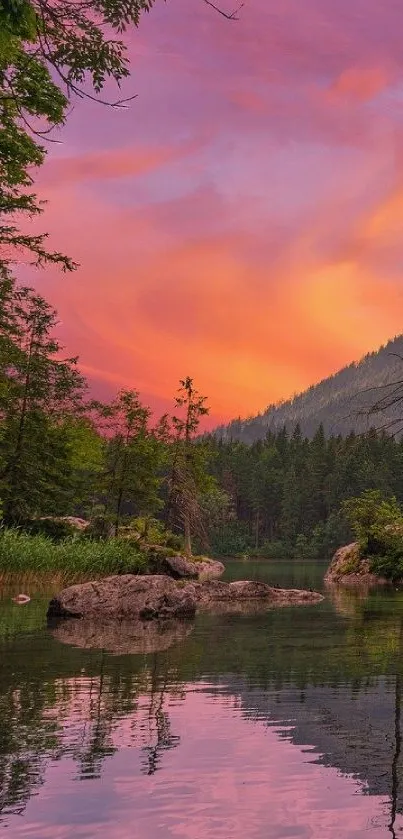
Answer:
(126, 597)
(181, 568)
(247, 596)
(348, 567)
(149, 597)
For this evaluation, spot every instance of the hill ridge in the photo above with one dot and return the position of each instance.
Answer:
(338, 402)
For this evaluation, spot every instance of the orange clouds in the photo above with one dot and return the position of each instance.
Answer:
(360, 83)
(247, 333)
(264, 252)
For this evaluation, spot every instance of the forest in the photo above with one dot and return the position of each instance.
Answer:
(114, 464)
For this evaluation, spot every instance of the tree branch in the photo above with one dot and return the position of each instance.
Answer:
(228, 15)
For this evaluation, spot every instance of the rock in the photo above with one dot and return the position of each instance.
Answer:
(142, 598)
(122, 637)
(247, 596)
(125, 597)
(209, 569)
(73, 521)
(181, 568)
(349, 568)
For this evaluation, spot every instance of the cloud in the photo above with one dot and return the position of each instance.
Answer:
(126, 162)
(241, 221)
(360, 83)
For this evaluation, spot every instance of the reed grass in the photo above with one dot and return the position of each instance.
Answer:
(24, 554)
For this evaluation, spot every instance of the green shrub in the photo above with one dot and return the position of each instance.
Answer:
(371, 516)
(53, 529)
(275, 549)
(303, 547)
(174, 541)
(377, 524)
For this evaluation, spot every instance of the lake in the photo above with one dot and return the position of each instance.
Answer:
(283, 724)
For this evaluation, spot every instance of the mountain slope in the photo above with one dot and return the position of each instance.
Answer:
(340, 402)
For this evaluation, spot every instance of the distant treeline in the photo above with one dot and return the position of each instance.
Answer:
(287, 490)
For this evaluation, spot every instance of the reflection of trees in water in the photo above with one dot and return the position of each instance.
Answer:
(26, 741)
(82, 717)
(160, 737)
(57, 700)
(144, 708)
(398, 744)
(396, 756)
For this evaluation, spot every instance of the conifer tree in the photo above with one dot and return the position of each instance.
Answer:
(188, 477)
(39, 390)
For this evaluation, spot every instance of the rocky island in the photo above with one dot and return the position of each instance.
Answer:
(375, 557)
(132, 597)
(350, 568)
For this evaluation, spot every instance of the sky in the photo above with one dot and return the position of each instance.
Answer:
(241, 221)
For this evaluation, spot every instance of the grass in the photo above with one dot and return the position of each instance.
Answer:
(25, 554)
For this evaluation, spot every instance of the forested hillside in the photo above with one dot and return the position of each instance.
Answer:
(340, 403)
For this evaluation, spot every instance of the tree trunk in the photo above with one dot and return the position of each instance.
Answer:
(188, 540)
(257, 529)
(118, 506)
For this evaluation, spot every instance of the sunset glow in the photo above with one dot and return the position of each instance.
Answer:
(241, 221)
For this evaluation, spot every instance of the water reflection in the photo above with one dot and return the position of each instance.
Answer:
(121, 637)
(228, 779)
(274, 725)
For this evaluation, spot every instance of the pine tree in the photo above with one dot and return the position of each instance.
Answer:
(39, 390)
(187, 476)
(131, 479)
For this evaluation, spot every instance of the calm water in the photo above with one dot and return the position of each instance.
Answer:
(286, 724)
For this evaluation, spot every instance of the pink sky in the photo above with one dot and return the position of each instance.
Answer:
(241, 221)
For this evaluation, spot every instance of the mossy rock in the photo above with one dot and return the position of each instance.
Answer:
(349, 567)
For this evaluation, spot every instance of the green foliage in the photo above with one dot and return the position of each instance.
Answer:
(21, 552)
(99, 529)
(174, 541)
(133, 459)
(390, 565)
(231, 539)
(377, 523)
(154, 532)
(53, 529)
(370, 514)
(275, 549)
(49, 51)
(38, 390)
(373, 518)
(188, 476)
